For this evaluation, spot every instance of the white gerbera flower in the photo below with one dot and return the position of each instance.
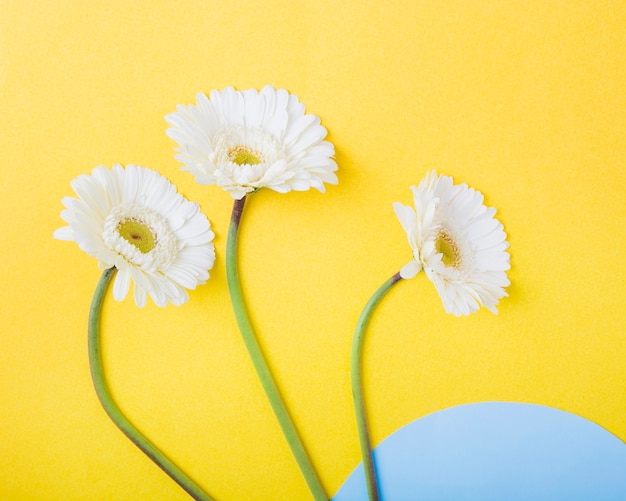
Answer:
(134, 219)
(244, 141)
(458, 243)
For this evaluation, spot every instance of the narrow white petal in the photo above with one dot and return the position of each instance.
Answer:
(406, 216)
(121, 284)
(140, 296)
(64, 233)
(410, 270)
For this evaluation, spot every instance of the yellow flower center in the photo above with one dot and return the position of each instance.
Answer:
(449, 250)
(244, 155)
(137, 234)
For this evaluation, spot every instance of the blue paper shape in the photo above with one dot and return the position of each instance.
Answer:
(496, 451)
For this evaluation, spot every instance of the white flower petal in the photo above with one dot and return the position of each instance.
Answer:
(65, 233)
(140, 296)
(121, 284)
(410, 270)
(254, 108)
(408, 221)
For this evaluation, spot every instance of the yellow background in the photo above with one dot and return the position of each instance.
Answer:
(524, 101)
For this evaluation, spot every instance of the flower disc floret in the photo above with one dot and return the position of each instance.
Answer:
(247, 140)
(133, 218)
(147, 242)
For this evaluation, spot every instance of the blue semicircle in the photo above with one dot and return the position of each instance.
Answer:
(496, 451)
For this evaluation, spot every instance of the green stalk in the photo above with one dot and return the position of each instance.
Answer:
(357, 386)
(260, 365)
(111, 408)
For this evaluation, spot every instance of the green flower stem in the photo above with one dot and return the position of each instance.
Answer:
(263, 371)
(111, 408)
(357, 386)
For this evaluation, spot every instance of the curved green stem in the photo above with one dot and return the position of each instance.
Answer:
(357, 386)
(256, 355)
(111, 408)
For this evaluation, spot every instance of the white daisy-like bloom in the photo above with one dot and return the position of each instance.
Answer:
(458, 242)
(134, 219)
(247, 140)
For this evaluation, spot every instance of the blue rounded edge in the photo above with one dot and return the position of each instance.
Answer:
(494, 451)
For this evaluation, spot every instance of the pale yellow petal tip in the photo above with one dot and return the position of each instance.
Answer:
(64, 233)
(492, 308)
(410, 270)
(398, 208)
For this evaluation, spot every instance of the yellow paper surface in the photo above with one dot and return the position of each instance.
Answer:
(522, 100)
